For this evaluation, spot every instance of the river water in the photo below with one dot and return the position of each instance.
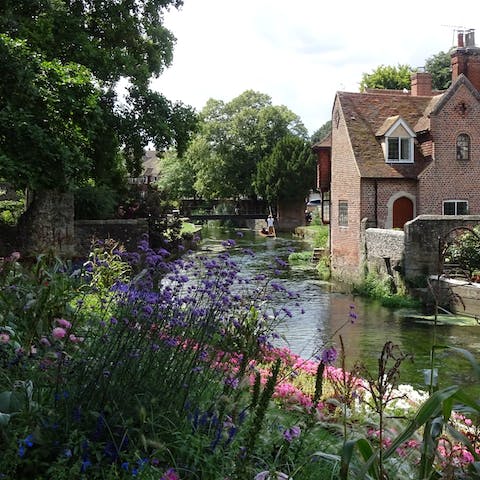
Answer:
(327, 310)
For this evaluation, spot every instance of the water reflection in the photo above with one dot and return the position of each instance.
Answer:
(327, 309)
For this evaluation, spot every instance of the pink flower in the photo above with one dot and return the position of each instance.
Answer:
(170, 474)
(4, 337)
(63, 323)
(59, 333)
(45, 342)
(75, 339)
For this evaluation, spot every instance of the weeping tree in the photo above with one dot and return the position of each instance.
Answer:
(285, 177)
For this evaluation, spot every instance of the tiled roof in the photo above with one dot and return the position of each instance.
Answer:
(325, 143)
(368, 113)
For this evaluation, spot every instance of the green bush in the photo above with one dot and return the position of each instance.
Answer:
(382, 289)
(10, 210)
(95, 202)
(464, 251)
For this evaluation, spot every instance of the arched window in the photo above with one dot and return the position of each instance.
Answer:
(463, 147)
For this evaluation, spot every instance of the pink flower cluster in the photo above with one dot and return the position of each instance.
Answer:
(61, 332)
(4, 337)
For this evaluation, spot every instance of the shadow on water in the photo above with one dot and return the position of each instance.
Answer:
(327, 307)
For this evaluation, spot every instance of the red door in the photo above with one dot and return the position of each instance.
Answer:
(402, 212)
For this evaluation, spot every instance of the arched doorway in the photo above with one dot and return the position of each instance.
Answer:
(402, 212)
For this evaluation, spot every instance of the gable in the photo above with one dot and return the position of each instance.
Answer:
(461, 82)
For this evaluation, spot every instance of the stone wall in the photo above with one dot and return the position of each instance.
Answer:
(422, 236)
(127, 232)
(384, 251)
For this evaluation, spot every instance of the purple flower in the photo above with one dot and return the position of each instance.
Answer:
(329, 355)
(290, 433)
(353, 315)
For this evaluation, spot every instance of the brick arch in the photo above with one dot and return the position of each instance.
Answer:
(399, 201)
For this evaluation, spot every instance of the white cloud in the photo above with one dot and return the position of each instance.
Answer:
(300, 53)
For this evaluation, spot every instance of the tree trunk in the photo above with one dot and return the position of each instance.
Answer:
(47, 226)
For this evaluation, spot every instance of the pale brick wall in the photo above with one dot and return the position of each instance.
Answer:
(345, 241)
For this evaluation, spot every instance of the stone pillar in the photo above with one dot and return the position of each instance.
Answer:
(48, 225)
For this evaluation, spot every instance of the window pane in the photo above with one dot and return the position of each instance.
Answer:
(393, 149)
(463, 147)
(405, 146)
(343, 213)
(449, 208)
(462, 208)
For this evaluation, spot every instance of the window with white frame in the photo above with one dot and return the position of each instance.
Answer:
(463, 147)
(455, 207)
(398, 140)
(399, 149)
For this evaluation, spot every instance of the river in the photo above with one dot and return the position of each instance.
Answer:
(326, 308)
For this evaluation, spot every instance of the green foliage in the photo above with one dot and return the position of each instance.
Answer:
(288, 173)
(323, 268)
(179, 173)
(320, 239)
(387, 77)
(234, 137)
(464, 251)
(322, 132)
(382, 289)
(95, 202)
(300, 257)
(47, 116)
(439, 66)
(113, 41)
(10, 210)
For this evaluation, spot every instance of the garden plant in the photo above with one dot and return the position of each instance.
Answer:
(145, 365)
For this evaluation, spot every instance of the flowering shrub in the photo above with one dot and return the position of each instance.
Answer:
(172, 373)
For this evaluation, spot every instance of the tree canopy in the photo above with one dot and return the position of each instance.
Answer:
(288, 173)
(48, 117)
(322, 132)
(439, 66)
(109, 41)
(234, 137)
(387, 77)
(399, 77)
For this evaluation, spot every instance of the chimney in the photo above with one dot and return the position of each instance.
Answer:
(466, 58)
(421, 83)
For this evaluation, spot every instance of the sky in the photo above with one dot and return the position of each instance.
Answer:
(301, 52)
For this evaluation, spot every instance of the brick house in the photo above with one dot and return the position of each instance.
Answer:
(398, 154)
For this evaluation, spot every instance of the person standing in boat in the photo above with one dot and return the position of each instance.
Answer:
(270, 222)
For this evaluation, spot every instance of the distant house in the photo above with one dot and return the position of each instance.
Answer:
(398, 154)
(150, 169)
(322, 150)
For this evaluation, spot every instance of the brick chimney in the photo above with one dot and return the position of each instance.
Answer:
(466, 58)
(421, 83)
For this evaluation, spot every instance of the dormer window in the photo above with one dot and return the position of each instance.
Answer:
(398, 140)
(399, 149)
(463, 147)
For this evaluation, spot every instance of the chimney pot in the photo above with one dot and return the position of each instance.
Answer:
(460, 40)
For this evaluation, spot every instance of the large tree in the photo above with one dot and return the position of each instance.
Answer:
(288, 173)
(49, 115)
(236, 136)
(439, 66)
(388, 77)
(114, 40)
